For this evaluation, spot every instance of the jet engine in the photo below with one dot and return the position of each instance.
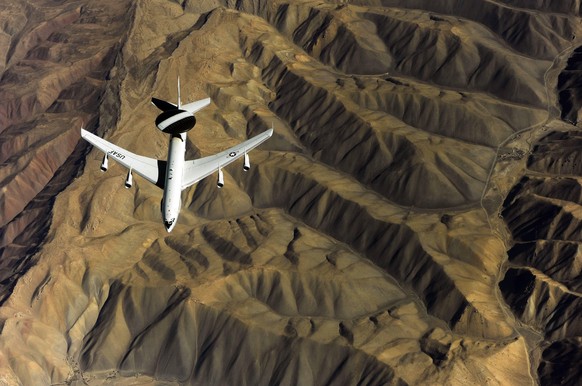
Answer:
(247, 163)
(129, 180)
(220, 182)
(104, 164)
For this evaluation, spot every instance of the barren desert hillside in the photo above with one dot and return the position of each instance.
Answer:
(415, 218)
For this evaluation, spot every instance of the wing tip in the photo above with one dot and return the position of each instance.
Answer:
(204, 103)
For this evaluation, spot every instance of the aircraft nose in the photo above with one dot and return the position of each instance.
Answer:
(169, 225)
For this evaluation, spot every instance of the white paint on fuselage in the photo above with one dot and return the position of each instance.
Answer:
(172, 200)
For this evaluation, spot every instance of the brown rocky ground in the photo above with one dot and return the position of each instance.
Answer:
(364, 246)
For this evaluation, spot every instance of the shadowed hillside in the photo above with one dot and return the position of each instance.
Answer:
(366, 243)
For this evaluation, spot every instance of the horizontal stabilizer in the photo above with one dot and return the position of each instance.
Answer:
(163, 105)
(196, 106)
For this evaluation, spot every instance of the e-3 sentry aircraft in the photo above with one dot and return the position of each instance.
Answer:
(175, 174)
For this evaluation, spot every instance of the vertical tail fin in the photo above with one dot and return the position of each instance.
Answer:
(179, 101)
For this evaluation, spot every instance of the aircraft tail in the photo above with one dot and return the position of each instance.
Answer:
(192, 107)
(179, 101)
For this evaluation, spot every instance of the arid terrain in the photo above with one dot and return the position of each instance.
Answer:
(415, 218)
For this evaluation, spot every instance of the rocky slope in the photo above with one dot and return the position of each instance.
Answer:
(54, 77)
(543, 282)
(364, 245)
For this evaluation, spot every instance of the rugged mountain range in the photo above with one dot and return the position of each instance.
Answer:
(413, 220)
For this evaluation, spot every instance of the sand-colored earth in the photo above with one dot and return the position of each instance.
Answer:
(413, 220)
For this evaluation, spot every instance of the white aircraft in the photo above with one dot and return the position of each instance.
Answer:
(175, 174)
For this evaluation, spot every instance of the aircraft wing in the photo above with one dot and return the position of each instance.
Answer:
(151, 169)
(198, 169)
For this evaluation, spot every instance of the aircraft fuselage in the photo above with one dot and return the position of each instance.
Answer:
(176, 122)
(172, 200)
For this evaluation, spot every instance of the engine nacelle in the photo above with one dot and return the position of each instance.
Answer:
(104, 164)
(128, 180)
(247, 163)
(220, 182)
(175, 121)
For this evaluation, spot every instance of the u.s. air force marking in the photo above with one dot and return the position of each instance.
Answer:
(116, 154)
